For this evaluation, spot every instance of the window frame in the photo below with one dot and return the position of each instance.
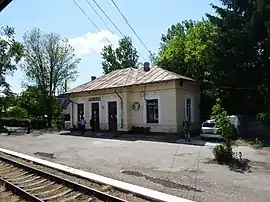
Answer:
(153, 106)
(191, 111)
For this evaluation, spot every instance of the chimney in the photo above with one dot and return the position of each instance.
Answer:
(93, 78)
(146, 66)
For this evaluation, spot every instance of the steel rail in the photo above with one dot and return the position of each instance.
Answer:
(91, 192)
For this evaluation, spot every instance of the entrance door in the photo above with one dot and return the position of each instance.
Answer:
(95, 115)
(80, 111)
(112, 116)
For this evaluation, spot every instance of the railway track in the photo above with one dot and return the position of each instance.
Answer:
(21, 182)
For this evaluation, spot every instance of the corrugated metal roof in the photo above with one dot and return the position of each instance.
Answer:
(128, 77)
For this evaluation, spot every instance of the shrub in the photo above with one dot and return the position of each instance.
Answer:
(223, 124)
(264, 118)
(17, 111)
(222, 154)
(20, 122)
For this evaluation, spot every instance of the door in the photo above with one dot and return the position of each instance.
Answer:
(95, 115)
(112, 116)
(80, 112)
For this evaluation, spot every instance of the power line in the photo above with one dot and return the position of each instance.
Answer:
(126, 20)
(115, 26)
(91, 20)
(102, 21)
(108, 18)
(99, 16)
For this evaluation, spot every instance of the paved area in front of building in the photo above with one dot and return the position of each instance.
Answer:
(178, 169)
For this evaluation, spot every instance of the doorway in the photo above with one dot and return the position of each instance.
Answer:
(95, 116)
(80, 111)
(112, 116)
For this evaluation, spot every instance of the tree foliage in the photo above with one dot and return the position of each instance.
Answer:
(17, 111)
(31, 101)
(230, 51)
(222, 123)
(187, 49)
(243, 52)
(11, 52)
(49, 62)
(124, 56)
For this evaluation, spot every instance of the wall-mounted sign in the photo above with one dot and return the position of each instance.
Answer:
(94, 99)
(136, 106)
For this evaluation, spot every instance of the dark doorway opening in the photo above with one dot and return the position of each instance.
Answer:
(80, 112)
(112, 116)
(95, 117)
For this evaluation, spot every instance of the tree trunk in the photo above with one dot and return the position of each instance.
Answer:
(49, 119)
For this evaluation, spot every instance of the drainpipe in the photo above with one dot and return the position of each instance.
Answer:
(144, 92)
(121, 104)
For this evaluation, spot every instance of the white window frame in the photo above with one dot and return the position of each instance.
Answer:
(90, 109)
(151, 96)
(106, 108)
(76, 109)
(191, 97)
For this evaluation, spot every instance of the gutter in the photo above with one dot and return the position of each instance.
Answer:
(121, 104)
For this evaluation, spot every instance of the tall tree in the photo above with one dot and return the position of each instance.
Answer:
(176, 30)
(124, 56)
(11, 52)
(187, 49)
(49, 62)
(243, 53)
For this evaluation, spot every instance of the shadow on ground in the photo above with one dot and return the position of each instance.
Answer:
(236, 164)
(163, 182)
(166, 138)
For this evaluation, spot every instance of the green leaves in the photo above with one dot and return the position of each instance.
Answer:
(11, 52)
(49, 61)
(222, 122)
(187, 49)
(124, 56)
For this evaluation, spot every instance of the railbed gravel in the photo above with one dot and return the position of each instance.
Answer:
(101, 187)
(7, 196)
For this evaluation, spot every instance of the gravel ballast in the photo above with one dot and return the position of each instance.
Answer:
(101, 187)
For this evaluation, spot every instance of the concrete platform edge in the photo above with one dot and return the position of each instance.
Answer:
(152, 194)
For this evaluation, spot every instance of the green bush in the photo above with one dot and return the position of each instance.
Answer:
(264, 118)
(17, 111)
(222, 154)
(20, 122)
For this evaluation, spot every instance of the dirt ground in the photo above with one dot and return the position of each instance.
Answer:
(183, 170)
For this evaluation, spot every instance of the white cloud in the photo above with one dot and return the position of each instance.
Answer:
(93, 42)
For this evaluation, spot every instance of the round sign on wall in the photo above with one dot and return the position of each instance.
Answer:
(136, 106)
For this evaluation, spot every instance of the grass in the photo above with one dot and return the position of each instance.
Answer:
(107, 188)
(255, 143)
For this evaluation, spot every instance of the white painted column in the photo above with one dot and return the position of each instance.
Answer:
(126, 112)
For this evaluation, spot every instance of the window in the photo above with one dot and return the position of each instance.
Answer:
(188, 108)
(209, 125)
(152, 111)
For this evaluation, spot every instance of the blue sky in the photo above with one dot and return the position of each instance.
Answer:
(149, 18)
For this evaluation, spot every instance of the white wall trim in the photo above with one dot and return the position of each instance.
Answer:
(191, 106)
(75, 109)
(112, 98)
(149, 96)
(90, 109)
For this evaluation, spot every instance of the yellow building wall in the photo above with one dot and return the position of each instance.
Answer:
(188, 90)
(165, 93)
(171, 101)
